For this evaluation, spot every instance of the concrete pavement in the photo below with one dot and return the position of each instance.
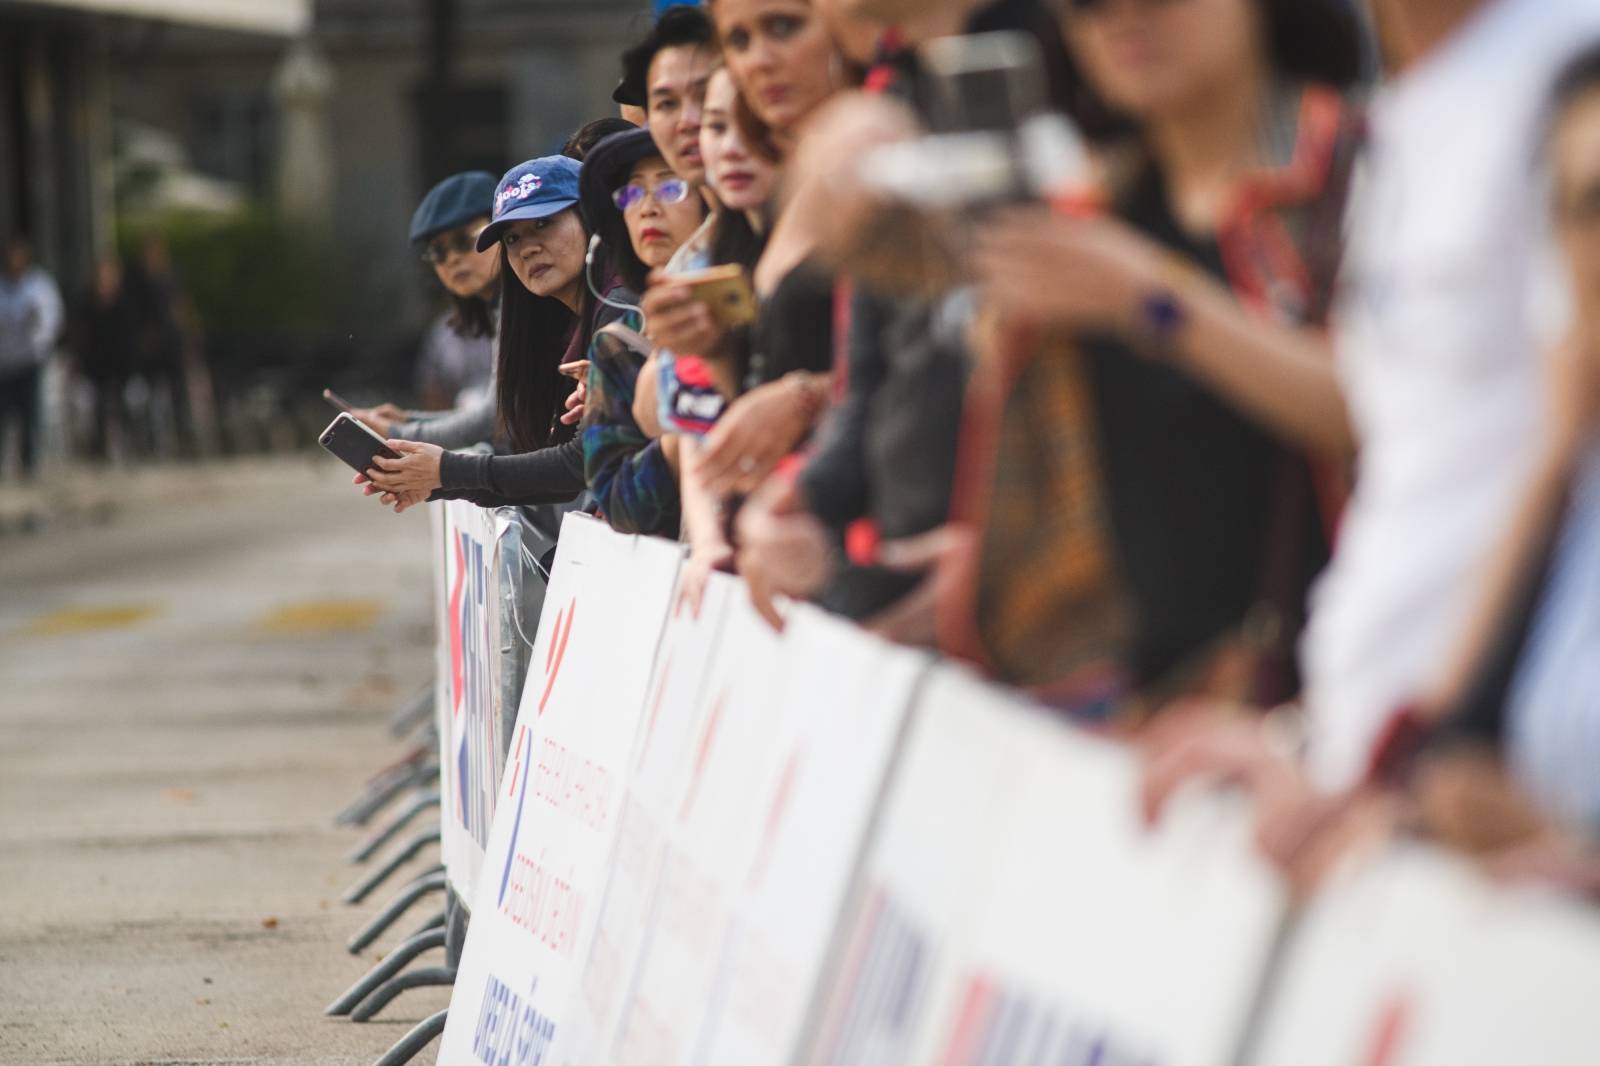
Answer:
(187, 694)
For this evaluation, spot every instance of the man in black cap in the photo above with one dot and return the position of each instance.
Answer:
(666, 75)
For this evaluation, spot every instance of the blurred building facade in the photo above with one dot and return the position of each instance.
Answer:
(340, 112)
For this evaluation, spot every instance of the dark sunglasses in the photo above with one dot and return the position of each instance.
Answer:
(457, 241)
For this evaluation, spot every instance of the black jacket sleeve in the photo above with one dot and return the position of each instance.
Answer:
(549, 475)
(835, 480)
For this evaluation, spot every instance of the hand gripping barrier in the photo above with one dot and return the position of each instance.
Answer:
(716, 844)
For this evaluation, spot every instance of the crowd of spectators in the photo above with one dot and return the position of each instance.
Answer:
(1255, 424)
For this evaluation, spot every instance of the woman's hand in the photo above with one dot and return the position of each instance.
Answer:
(1070, 272)
(404, 501)
(678, 322)
(697, 571)
(783, 549)
(416, 471)
(752, 437)
(913, 619)
(382, 418)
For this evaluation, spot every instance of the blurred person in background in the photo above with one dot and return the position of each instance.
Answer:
(1513, 770)
(31, 316)
(169, 361)
(1449, 299)
(105, 344)
(643, 212)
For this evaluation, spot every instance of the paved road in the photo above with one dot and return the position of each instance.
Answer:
(187, 693)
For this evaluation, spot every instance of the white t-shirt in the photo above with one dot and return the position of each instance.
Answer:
(1451, 298)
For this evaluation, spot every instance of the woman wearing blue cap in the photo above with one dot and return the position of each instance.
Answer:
(549, 315)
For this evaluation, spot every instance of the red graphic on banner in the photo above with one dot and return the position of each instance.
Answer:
(775, 813)
(457, 670)
(1394, 1020)
(655, 710)
(971, 1023)
(516, 768)
(558, 650)
(704, 754)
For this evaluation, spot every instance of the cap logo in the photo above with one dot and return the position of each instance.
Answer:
(525, 187)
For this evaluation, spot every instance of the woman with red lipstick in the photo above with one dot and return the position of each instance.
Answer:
(782, 58)
(643, 213)
(784, 63)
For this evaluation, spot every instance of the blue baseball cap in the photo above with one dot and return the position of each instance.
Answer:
(538, 188)
(453, 202)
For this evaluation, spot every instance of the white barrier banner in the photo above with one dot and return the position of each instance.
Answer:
(1015, 909)
(538, 898)
(826, 735)
(661, 765)
(1417, 961)
(705, 782)
(469, 743)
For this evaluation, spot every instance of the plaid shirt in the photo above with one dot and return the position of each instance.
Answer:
(633, 485)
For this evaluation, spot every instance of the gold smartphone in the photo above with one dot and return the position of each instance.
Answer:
(726, 290)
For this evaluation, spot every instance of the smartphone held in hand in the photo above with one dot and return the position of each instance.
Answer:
(726, 290)
(354, 444)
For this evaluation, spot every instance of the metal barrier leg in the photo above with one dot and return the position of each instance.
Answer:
(456, 923)
(417, 709)
(424, 1034)
(440, 920)
(393, 964)
(369, 847)
(363, 888)
(391, 914)
(432, 977)
(378, 796)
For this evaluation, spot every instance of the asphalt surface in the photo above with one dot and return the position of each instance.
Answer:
(195, 673)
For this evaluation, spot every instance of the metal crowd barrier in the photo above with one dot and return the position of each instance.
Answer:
(427, 778)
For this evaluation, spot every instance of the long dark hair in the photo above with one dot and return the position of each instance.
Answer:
(1320, 41)
(1323, 42)
(535, 332)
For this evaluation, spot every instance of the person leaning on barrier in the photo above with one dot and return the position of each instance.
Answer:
(1511, 771)
(685, 396)
(1452, 399)
(456, 211)
(643, 212)
(546, 316)
(784, 62)
(878, 481)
